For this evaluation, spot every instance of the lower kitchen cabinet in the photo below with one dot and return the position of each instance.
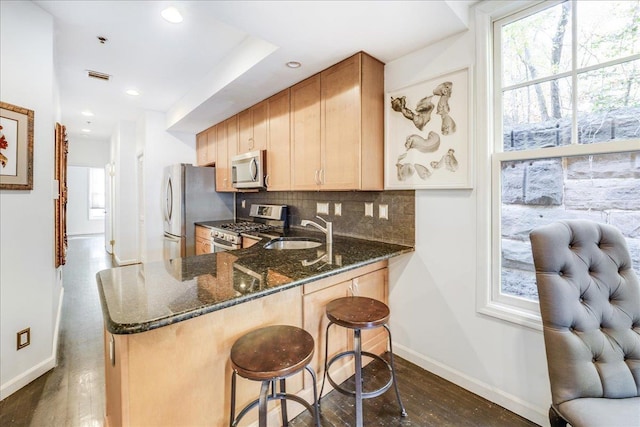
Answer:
(370, 281)
(180, 374)
(203, 240)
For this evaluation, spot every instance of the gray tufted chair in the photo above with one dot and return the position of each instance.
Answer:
(590, 307)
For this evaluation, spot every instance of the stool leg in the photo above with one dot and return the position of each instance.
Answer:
(358, 360)
(316, 404)
(393, 373)
(283, 404)
(233, 399)
(326, 359)
(262, 405)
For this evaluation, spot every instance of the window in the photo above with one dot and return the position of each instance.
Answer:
(566, 132)
(96, 193)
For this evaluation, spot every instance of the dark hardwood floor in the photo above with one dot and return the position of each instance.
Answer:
(72, 394)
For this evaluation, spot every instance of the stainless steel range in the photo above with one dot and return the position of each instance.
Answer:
(227, 235)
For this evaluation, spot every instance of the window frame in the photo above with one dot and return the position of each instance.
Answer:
(490, 17)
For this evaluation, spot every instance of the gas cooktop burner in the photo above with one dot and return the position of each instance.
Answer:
(245, 226)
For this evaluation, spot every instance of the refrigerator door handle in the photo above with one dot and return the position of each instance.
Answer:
(168, 211)
(172, 238)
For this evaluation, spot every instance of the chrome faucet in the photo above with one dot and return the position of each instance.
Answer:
(328, 230)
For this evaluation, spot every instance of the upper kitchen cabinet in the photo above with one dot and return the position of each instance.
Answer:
(305, 134)
(337, 127)
(252, 124)
(226, 147)
(278, 146)
(206, 147)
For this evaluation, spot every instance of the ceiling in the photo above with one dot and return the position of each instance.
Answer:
(224, 57)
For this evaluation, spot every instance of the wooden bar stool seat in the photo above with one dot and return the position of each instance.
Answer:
(270, 355)
(360, 313)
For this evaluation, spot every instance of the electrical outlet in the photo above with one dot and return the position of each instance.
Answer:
(383, 211)
(23, 338)
(337, 209)
(322, 208)
(368, 209)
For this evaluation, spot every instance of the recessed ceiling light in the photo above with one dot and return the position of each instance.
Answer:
(87, 113)
(86, 130)
(133, 92)
(293, 64)
(172, 15)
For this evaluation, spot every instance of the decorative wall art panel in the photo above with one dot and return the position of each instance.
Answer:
(427, 142)
(16, 147)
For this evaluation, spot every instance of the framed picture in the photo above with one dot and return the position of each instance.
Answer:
(428, 140)
(16, 147)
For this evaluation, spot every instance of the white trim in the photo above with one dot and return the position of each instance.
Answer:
(16, 383)
(121, 262)
(506, 400)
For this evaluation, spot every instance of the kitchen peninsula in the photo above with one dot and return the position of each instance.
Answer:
(169, 326)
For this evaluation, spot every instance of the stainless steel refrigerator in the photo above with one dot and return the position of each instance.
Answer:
(189, 196)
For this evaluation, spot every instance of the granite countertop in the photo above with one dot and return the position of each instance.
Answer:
(141, 297)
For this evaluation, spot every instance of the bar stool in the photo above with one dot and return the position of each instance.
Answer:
(270, 355)
(359, 313)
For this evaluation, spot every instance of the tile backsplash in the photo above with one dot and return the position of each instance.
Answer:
(398, 228)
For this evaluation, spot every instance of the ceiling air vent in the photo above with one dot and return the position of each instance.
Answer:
(98, 75)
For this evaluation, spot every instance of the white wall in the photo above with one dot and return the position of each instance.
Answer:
(88, 152)
(30, 291)
(433, 290)
(160, 149)
(125, 203)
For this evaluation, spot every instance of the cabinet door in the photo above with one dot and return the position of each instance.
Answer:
(372, 285)
(259, 113)
(245, 131)
(201, 149)
(252, 128)
(226, 147)
(278, 143)
(340, 124)
(315, 322)
(212, 136)
(221, 157)
(305, 134)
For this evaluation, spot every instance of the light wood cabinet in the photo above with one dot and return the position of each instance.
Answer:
(369, 281)
(252, 124)
(206, 147)
(278, 143)
(203, 240)
(346, 150)
(247, 242)
(212, 137)
(201, 148)
(226, 147)
(305, 134)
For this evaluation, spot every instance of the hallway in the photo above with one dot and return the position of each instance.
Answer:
(72, 394)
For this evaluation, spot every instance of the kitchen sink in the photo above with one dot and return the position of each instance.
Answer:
(285, 243)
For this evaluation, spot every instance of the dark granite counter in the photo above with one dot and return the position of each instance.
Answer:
(142, 297)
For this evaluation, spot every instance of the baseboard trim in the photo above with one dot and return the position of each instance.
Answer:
(15, 384)
(499, 397)
(121, 262)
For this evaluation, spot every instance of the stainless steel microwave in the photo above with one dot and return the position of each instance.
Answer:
(248, 169)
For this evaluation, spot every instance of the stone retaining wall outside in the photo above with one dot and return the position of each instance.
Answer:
(602, 188)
